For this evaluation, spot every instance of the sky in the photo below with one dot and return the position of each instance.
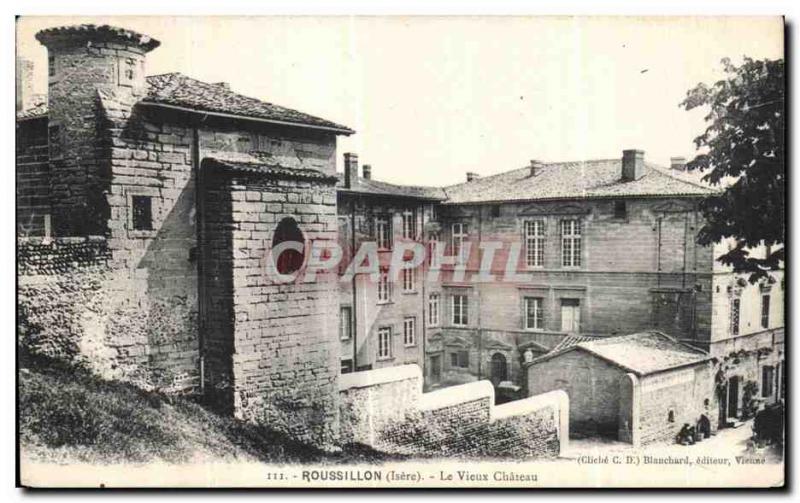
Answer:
(432, 98)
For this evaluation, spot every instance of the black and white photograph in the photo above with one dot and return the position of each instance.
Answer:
(400, 251)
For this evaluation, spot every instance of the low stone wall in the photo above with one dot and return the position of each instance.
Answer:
(386, 409)
(371, 400)
(72, 305)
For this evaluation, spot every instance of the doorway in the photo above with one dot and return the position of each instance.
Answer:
(733, 396)
(499, 369)
(436, 368)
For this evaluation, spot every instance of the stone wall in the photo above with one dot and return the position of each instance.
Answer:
(386, 409)
(370, 401)
(276, 342)
(626, 266)
(592, 385)
(74, 306)
(668, 400)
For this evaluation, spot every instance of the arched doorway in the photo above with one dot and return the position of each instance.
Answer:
(499, 369)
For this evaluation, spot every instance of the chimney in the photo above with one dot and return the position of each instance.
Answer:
(536, 167)
(224, 85)
(472, 176)
(24, 84)
(678, 163)
(350, 170)
(367, 172)
(632, 165)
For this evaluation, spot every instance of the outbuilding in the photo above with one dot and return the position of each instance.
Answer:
(638, 388)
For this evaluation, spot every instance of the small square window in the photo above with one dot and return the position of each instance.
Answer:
(142, 207)
(459, 359)
(620, 210)
(495, 211)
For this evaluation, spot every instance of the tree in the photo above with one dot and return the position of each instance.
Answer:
(743, 152)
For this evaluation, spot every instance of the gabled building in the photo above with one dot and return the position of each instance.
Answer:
(640, 388)
(148, 207)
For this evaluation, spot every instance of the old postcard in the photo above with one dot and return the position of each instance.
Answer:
(400, 252)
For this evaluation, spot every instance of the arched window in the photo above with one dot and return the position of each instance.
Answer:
(289, 260)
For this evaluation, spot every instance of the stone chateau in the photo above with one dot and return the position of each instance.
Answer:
(146, 207)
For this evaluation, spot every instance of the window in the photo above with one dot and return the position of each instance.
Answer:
(620, 210)
(384, 343)
(534, 315)
(409, 224)
(459, 359)
(534, 243)
(459, 235)
(765, 311)
(345, 323)
(409, 280)
(433, 246)
(410, 331)
(433, 310)
(495, 211)
(570, 315)
(460, 310)
(434, 212)
(142, 216)
(383, 232)
(735, 316)
(767, 380)
(51, 65)
(571, 243)
(384, 287)
(290, 260)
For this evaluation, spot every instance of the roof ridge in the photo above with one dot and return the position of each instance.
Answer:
(667, 172)
(544, 164)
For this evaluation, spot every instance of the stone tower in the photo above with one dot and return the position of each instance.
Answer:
(86, 64)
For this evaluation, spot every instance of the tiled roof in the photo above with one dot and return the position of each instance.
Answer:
(374, 187)
(179, 90)
(245, 165)
(642, 353)
(572, 180)
(572, 340)
(92, 32)
(175, 89)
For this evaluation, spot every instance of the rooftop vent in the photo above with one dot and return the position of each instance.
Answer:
(678, 163)
(536, 167)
